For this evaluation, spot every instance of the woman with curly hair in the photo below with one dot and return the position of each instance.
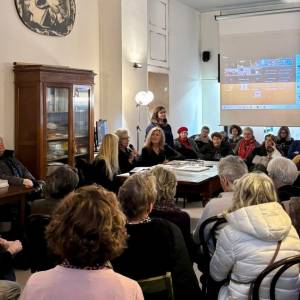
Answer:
(87, 230)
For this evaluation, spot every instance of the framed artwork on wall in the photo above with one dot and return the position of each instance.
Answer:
(47, 17)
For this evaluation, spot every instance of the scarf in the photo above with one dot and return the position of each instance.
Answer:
(185, 143)
(245, 148)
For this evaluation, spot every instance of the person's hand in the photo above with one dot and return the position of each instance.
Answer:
(14, 247)
(27, 183)
(4, 243)
(134, 152)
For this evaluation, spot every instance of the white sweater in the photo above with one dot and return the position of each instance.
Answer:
(246, 246)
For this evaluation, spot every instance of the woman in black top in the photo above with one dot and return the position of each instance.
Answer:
(154, 246)
(127, 154)
(159, 119)
(106, 164)
(156, 151)
(235, 136)
(284, 140)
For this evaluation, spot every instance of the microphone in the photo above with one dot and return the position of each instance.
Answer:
(131, 147)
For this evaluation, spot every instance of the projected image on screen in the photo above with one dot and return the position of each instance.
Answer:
(265, 83)
(260, 70)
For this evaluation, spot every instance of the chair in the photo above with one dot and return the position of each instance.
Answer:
(158, 288)
(208, 288)
(40, 257)
(282, 265)
(294, 212)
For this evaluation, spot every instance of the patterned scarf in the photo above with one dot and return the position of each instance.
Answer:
(185, 143)
(246, 148)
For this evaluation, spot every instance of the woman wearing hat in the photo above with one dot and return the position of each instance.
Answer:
(185, 145)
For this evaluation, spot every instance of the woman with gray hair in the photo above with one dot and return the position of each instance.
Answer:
(284, 173)
(127, 153)
(59, 183)
(258, 232)
(155, 246)
(165, 207)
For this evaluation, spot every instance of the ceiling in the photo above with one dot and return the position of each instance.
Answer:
(210, 5)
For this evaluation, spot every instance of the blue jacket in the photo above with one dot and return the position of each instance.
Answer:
(295, 147)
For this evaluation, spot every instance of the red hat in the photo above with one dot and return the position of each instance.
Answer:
(181, 129)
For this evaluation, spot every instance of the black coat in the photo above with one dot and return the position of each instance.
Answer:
(124, 164)
(149, 158)
(155, 248)
(100, 176)
(13, 170)
(209, 152)
(288, 191)
(283, 145)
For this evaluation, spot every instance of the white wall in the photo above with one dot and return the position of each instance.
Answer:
(185, 102)
(80, 49)
(209, 71)
(134, 49)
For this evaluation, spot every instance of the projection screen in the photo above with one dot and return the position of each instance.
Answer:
(260, 70)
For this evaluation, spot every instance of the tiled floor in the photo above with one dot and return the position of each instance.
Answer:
(194, 209)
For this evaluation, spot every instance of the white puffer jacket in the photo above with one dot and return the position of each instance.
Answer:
(246, 246)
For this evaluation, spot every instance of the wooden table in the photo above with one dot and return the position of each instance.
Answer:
(13, 194)
(194, 184)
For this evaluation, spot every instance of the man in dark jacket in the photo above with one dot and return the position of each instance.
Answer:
(216, 148)
(13, 170)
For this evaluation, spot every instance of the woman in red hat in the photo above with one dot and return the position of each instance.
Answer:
(186, 146)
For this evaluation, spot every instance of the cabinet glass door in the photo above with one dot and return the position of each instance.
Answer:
(81, 97)
(57, 124)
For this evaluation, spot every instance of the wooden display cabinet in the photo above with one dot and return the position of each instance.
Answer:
(54, 110)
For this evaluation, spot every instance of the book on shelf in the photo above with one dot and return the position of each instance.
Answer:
(3, 183)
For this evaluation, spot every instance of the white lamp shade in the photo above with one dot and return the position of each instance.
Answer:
(144, 98)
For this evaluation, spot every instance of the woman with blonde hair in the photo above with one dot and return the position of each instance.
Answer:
(155, 150)
(106, 164)
(159, 119)
(165, 207)
(259, 231)
(87, 230)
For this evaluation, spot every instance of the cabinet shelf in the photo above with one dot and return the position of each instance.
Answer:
(62, 125)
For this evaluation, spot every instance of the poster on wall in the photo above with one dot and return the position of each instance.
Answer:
(47, 17)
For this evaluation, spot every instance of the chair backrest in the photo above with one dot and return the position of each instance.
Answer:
(158, 288)
(40, 257)
(282, 265)
(294, 212)
(215, 222)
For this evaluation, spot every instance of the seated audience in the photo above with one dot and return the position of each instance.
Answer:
(216, 148)
(159, 119)
(165, 207)
(230, 169)
(264, 153)
(185, 145)
(127, 154)
(284, 140)
(13, 170)
(284, 173)
(87, 230)
(155, 246)
(257, 227)
(9, 290)
(246, 145)
(225, 138)
(235, 136)
(203, 138)
(7, 251)
(106, 164)
(294, 149)
(155, 151)
(59, 183)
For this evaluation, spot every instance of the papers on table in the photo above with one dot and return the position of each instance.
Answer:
(3, 183)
